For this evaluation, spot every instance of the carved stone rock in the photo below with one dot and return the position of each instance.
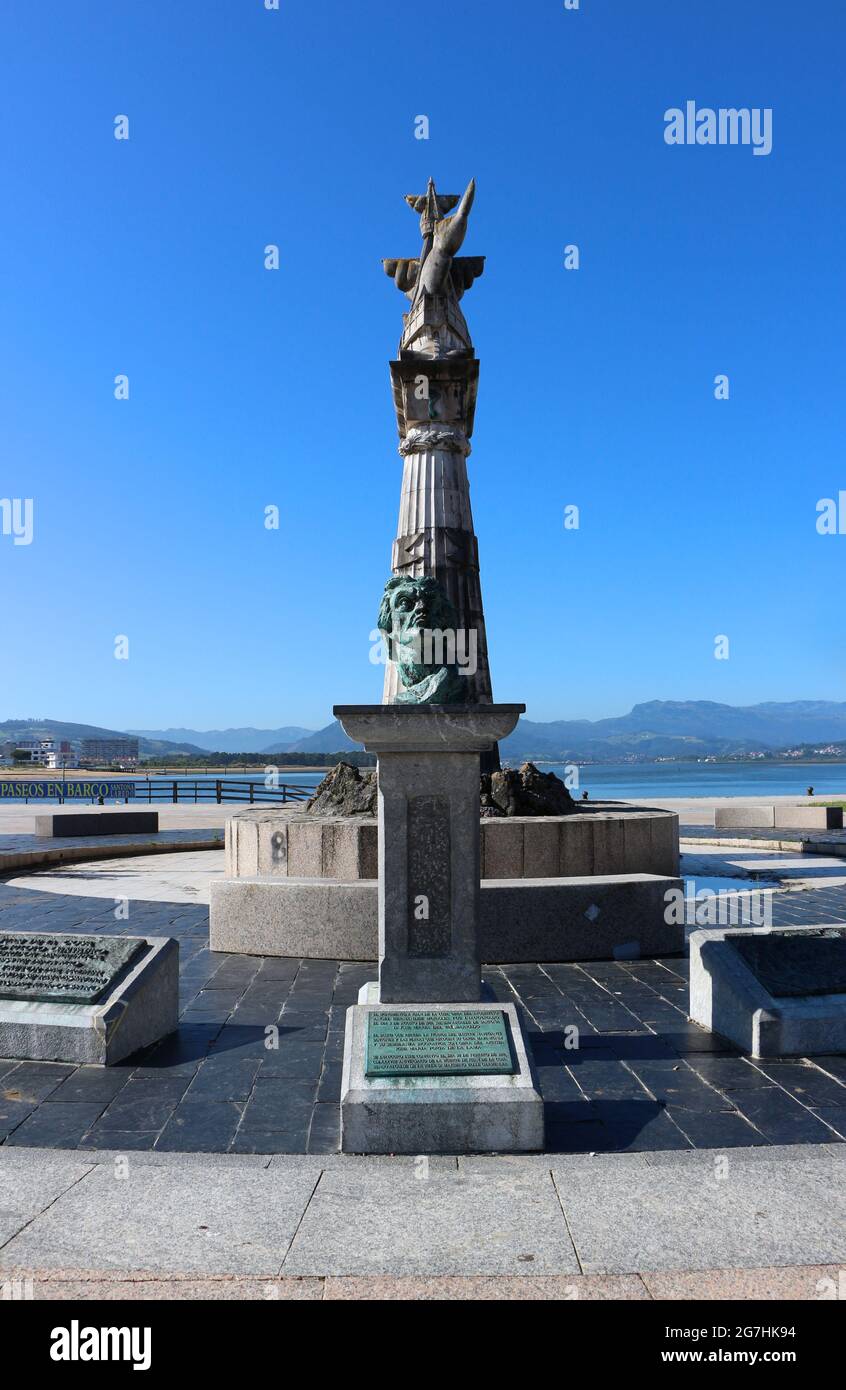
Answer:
(345, 791)
(525, 792)
(351, 791)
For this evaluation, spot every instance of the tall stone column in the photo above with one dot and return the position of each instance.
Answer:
(435, 379)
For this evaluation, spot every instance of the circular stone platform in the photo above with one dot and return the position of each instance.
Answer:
(606, 837)
(589, 886)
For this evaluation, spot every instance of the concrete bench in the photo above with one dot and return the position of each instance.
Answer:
(779, 817)
(69, 823)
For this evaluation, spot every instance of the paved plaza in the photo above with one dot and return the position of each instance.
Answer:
(256, 1064)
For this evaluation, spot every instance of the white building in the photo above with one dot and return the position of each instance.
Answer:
(47, 752)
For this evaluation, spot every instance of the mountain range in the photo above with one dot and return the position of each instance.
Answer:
(655, 729)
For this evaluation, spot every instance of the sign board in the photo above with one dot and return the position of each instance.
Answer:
(76, 789)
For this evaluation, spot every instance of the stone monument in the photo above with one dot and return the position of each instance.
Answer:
(435, 378)
(428, 1066)
(560, 881)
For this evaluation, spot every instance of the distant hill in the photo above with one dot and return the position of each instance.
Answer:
(332, 739)
(247, 740)
(657, 729)
(11, 729)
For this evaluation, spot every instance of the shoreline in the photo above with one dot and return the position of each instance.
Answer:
(71, 774)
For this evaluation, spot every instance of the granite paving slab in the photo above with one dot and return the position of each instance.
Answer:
(28, 1188)
(669, 1216)
(155, 1219)
(359, 1222)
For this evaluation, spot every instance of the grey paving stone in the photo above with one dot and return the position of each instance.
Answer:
(152, 1157)
(809, 1084)
(639, 1124)
(175, 1219)
(89, 1084)
(12, 1114)
(56, 1126)
(486, 1164)
(280, 1104)
(495, 1288)
(218, 1289)
(710, 1130)
(707, 1094)
(225, 1079)
(137, 1111)
(27, 1187)
(201, 1126)
(34, 1081)
(274, 1141)
(834, 1116)
(783, 1119)
(367, 1221)
(325, 1133)
(121, 1141)
(671, 1217)
(728, 1074)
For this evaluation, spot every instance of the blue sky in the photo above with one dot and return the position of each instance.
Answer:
(251, 388)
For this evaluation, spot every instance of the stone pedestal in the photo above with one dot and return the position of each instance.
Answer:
(431, 1114)
(429, 858)
(442, 1089)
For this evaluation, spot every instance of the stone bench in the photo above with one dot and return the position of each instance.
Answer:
(71, 823)
(546, 919)
(779, 817)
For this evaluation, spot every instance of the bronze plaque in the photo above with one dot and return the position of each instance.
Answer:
(438, 1042)
(52, 968)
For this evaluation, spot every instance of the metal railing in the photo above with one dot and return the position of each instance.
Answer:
(176, 789)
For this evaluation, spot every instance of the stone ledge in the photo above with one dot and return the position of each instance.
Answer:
(110, 847)
(604, 840)
(777, 817)
(562, 919)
